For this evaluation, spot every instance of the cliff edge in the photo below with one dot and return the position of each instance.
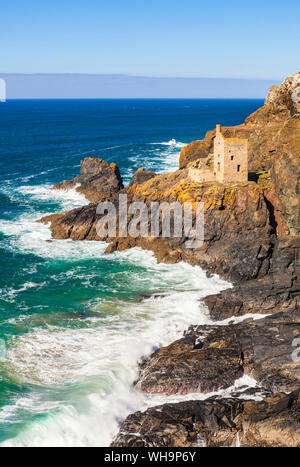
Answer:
(252, 239)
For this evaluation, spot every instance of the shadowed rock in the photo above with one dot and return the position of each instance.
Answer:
(277, 291)
(209, 358)
(215, 423)
(141, 176)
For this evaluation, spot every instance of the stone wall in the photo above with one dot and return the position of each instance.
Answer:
(230, 159)
(235, 161)
(219, 148)
(200, 175)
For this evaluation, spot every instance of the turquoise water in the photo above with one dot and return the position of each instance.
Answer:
(74, 321)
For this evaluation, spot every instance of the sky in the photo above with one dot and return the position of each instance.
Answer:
(154, 38)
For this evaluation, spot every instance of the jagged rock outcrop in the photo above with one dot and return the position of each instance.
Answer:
(98, 180)
(286, 96)
(215, 422)
(209, 358)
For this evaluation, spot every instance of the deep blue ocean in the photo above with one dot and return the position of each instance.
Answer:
(73, 323)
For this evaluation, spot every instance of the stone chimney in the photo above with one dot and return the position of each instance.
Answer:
(218, 129)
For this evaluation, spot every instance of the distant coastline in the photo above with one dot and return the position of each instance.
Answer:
(118, 86)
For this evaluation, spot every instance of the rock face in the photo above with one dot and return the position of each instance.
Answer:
(98, 181)
(197, 149)
(277, 290)
(141, 176)
(209, 358)
(263, 127)
(273, 422)
(251, 237)
(287, 95)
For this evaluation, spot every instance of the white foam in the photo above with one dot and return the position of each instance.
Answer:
(166, 159)
(68, 199)
(164, 155)
(9, 294)
(239, 319)
(26, 194)
(178, 144)
(105, 355)
(101, 356)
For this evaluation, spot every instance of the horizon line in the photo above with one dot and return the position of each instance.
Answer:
(133, 76)
(132, 98)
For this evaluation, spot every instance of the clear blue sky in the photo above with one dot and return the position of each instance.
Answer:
(188, 38)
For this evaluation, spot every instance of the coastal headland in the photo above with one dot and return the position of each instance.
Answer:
(251, 238)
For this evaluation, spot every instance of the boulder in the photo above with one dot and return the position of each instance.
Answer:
(141, 176)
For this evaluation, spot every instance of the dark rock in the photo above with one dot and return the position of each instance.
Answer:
(261, 349)
(215, 423)
(98, 180)
(277, 291)
(77, 224)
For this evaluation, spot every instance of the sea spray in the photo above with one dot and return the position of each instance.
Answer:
(51, 288)
(100, 359)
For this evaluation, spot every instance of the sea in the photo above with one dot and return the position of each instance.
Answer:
(74, 321)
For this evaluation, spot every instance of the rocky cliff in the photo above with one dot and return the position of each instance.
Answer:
(252, 239)
(274, 144)
(210, 358)
(98, 181)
